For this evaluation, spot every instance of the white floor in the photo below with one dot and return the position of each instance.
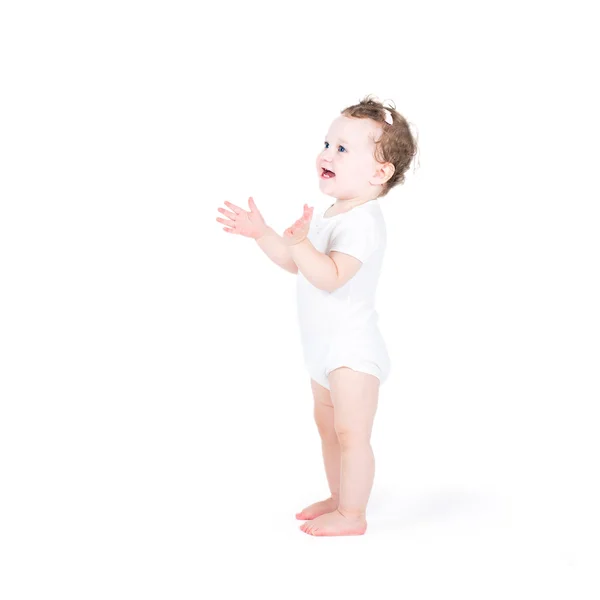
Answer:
(195, 497)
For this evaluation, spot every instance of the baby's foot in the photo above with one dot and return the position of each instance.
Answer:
(316, 509)
(335, 523)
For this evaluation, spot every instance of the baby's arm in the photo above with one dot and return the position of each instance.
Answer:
(277, 250)
(318, 268)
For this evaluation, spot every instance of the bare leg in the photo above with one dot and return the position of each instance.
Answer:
(330, 446)
(354, 396)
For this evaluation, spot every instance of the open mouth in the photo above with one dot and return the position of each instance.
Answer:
(327, 174)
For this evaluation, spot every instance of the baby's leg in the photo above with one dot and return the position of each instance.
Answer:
(355, 398)
(323, 412)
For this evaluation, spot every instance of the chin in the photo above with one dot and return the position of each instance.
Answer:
(326, 188)
(327, 192)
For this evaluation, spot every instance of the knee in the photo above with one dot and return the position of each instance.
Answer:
(325, 427)
(328, 434)
(352, 438)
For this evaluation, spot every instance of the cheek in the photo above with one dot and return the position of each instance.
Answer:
(365, 170)
(354, 171)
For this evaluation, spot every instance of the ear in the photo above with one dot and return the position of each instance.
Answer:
(383, 173)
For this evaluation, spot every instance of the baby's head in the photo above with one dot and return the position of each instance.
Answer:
(368, 155)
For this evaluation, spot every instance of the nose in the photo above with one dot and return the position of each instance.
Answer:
(326, 155)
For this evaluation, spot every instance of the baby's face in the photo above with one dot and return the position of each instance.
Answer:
(348, 151)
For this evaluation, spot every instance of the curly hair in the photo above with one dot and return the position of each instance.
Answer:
(397, 145)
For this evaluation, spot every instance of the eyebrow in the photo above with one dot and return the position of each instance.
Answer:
(341, 140)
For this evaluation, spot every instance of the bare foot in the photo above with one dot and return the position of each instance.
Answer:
(317, 509)
(335, 523)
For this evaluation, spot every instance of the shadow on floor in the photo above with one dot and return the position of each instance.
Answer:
(401, 512)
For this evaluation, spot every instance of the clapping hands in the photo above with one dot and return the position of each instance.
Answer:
(299, 230)
(249, 223)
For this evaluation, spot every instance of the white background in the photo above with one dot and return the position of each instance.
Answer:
(156, 428)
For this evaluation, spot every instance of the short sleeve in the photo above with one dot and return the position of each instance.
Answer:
(356, 236)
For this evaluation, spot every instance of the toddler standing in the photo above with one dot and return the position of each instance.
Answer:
(337, 258)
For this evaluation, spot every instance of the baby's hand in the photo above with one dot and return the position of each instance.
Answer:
(299, 230)
(242, 222)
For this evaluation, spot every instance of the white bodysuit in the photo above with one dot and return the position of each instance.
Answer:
(340, 328)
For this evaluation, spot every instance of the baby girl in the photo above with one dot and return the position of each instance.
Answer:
(337, 258)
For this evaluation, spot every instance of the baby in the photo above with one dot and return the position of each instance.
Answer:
(337, 257)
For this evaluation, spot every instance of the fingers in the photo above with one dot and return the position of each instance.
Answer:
(300, 224)
(254, 208)
(305, 218)
(227, 213)
(236, 209)
(228, 222)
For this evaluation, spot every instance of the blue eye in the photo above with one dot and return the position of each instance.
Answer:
(340, 146)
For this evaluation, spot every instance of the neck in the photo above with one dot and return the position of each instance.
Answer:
(352, 202)
(372, 194)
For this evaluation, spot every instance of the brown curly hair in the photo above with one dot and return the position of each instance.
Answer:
(397, 145)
